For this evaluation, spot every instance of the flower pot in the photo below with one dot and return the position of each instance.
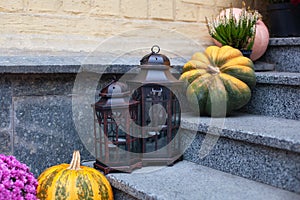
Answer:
(284, 20)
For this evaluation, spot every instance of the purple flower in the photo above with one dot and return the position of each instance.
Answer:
(16, 180)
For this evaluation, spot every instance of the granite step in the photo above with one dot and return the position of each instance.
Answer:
(284, 53)
(189, 181)
(276, 94)
(262, 66)
(256, 147)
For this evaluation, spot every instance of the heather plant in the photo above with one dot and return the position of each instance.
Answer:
(16, 180)
(237, 32)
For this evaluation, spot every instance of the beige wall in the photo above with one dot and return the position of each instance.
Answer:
(81, 25)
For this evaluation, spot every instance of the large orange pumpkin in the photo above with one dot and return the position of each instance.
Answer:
(262, 37)
(218, 81)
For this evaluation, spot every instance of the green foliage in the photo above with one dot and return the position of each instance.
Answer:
(236, 32)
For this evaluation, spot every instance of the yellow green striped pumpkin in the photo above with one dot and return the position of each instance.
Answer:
(218, 81)
(73, 182)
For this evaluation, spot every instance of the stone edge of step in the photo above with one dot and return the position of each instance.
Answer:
(258, 129)
(187, 180)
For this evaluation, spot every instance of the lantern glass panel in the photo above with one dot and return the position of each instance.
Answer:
(159, 118)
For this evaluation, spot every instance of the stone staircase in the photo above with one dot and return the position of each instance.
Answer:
(277, 93)
(253, 154)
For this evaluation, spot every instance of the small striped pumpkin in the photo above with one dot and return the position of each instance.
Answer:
(73, 182)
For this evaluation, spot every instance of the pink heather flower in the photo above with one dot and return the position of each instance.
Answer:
(16, 180)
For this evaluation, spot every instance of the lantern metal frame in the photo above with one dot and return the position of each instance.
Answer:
(117, 144)
(156, 87)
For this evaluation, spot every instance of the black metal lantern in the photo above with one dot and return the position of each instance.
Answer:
(157, 90)
(117, 142)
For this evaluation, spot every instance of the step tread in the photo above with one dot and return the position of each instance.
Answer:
(72, 62)
(269, 131)
(287, 41)
(187, 180)
(280, 78)
(263, 66)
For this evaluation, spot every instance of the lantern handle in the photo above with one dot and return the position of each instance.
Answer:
(153, 49)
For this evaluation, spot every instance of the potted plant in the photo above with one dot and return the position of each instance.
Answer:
(238, 32)
(284, 18)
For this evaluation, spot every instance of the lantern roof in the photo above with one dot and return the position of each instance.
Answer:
(115, 95)
(115, 89)
(154, 58)
(155, 69)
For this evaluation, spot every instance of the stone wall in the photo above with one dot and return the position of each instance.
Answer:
(37, 116)
(36, 119)
(81, 25)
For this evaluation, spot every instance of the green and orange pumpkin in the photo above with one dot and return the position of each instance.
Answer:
(218, 81)
(73, 182)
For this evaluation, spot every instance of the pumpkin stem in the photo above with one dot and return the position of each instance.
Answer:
(75, 162)
(214, 70)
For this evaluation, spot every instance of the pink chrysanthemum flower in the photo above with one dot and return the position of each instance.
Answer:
(16, 180)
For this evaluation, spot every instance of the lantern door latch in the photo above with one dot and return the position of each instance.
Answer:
(156, 92)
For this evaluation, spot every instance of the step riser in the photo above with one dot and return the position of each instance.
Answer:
(285, 58)
(279, 168)
(120, 195)
(284, 53)
(275, 100)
